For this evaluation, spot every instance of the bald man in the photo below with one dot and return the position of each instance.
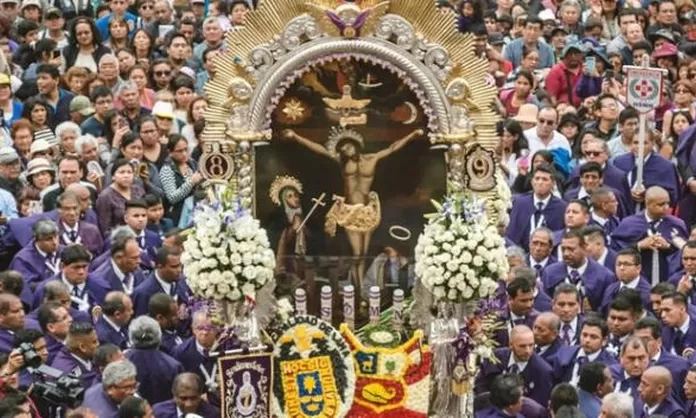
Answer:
(11, 320)
(653, 231)
(549, 345)
(520, 358)
(188, 390)
(112, 326)
(654, 389)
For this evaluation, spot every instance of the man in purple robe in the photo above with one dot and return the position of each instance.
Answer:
(121, 273)
(576, 216)
(679, 328)
(657, 171)
(40, 260)
(548, 344)
(55, 322)
(83, 291)
(593, 336)
(690, 392)
(188, 390)
(521, 359)
(596, 241)
(167, 278)
(163, 309)
(11, 320)
(118, 383)
(685, 277)
(604, 208)
(654, 233)
(566, 304)
(72, 230)
(148, 241)
(633, 362)
(594, 383)
(112, 325)
(505, 398)
(194, 353)
(536, 208)
(597, 151)
(540, 249)
(591, 178)
(622, 318)
(579, 270)
(76, 356)
(628, 268)
(520, 299)
(686, 163)
(58, 292)
(655, 389)
(650, 330)
(156, 370)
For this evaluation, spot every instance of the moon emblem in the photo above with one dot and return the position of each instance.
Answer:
(414, 113)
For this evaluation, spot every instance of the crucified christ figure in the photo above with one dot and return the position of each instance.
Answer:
(358, 211)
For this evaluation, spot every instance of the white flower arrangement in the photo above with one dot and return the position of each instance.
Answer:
(460, 256)
(227, 256)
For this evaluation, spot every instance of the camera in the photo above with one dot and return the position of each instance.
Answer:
(57, 388)
(31, 357)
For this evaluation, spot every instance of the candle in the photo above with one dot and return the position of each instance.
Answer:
(326, 302)
(373, 296)
(300, 301)
(398, 309)
(349, 306)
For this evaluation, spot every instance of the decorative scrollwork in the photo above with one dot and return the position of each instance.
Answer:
(397, 30)
(480, 169)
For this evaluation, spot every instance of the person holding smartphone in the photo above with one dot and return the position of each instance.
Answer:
(45, 52)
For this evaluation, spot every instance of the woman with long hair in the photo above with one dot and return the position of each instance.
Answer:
(84, 48)
(111, 203)
(680, 120)
(138, 75)
(183, 88)
(179, 176)
(529, 62)
(523, 182)
(115, 128)
(38, 112)
(196, 108)
(118, 33)
(142, 44)
(153, 150)
(161, 74)
(521, 94)
(146, 173)
(513, 145)
(684, 94)
(126, 61)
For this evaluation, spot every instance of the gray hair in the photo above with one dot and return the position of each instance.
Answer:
(212, 20)
(44, 228)
(145, 332)
(83, 140)
(126, 85)
(118, 371)
(65, 127)
(619, 405)
(602, 143)
(108, 57)
(546, 231)
(55, 288)
(515, 251)
(570, 3)
(121, 232)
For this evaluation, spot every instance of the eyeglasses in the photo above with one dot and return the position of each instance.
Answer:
(610, 106)
(683, 91)
(134, 387)
(689, 258)
(162, 73)
(625, 264)
(593, 153)
(547, 122)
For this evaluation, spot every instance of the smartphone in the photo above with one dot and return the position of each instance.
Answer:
(122, 123)
(590, 64)
(609, 75)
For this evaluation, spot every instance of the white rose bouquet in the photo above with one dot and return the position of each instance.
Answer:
(460, 256)
(227, 256)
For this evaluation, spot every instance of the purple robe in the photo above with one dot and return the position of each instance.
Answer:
(167, 409)
(53, 346)
(670, 338)
(556, 355)
(670, 409)
(99, 261)
(65, 362)
(150, 286)
(612, 176)
(609, 227)
(493, 412)
(34, 269)
(522, 216)
(77, 316)
(686, 163)
(613, 289)
(566, 361)
(170, 340)
(657, 171)
(105, 277)
(622, 208)
(99, 402)
(193, 361)
(634, 228)
(149, 249)
(6, 340)
(535, 375)
(627, 385)
(590, 405)
(92, 290)
(19, 230)
(108, 335)
(502, 336)
(156, 371)
(542, 301)
(87, 234)
(594, 280)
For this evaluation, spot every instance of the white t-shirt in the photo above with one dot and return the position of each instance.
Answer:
(86, 61)
(535, 144)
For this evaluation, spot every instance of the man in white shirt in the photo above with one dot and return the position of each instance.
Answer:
(545, 136)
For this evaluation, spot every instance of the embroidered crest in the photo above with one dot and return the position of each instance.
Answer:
(480, 169)
(246, 385)
(315, 374)
(391, 381)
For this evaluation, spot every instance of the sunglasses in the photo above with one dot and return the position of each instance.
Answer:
(162, 73)
(547, 122)
(592, 153)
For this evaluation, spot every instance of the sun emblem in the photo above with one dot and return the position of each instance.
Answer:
(294, 110)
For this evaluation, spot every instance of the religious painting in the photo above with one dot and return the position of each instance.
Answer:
(349, 172)
(246, 385)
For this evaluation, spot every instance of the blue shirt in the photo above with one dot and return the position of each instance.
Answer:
(513, 53)
(103, 25)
